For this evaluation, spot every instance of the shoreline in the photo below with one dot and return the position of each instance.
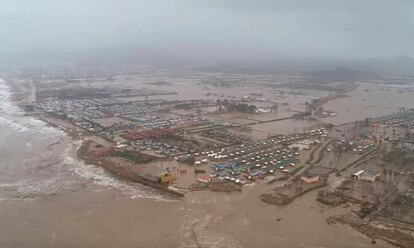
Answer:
(78, 134)
(119, 171)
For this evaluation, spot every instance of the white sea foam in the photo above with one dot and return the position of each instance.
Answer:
(101, 177)
(24, 188)
(11, 116)
(4, 122)
(66, 171)
(6, 106)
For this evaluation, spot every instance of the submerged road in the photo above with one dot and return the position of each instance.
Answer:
(319, 151)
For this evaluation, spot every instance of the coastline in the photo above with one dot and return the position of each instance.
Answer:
(122, 170)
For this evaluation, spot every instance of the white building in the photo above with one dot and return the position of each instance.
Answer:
(368, 175)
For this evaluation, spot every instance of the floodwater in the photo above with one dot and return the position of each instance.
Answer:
(50, 199)
(267, 89)
(370, 100)
(284, 127)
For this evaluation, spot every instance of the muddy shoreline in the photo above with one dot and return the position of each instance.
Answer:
(78, 134)
(125, 174)
(121, 170)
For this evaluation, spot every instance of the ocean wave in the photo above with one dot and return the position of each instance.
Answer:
(5, 105)
(26, 189)
(65, 172)
(11, 116)
(16, 126)
(101, 177)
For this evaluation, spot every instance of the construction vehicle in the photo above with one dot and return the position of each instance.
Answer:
(166, 177)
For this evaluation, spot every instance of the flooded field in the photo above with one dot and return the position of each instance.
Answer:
(284, 127)
(213, 86)
(370, 100)
(42, 181)
(206, 124)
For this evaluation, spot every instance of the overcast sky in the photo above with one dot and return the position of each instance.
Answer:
(216, 28)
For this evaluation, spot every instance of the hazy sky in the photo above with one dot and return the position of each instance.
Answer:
(216, 28)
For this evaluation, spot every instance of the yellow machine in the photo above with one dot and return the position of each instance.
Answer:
(166, 177)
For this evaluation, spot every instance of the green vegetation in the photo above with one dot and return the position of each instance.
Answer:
(239, 107)
(186, 106)
(294, 171)
(133, 156)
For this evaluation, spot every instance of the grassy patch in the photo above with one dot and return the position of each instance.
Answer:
(133, 156)
(293, 172)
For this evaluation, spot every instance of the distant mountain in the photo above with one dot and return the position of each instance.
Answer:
(317, 68)
(321, 69)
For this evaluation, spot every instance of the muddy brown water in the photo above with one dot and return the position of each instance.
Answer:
(50, 199)
(370, 100)
(203, 219)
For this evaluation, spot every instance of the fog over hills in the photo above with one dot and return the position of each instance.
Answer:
(374, 35)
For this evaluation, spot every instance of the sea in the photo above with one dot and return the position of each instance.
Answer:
(38, 160)
(49, 198)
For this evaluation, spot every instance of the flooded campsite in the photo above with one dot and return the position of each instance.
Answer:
(207, 124)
